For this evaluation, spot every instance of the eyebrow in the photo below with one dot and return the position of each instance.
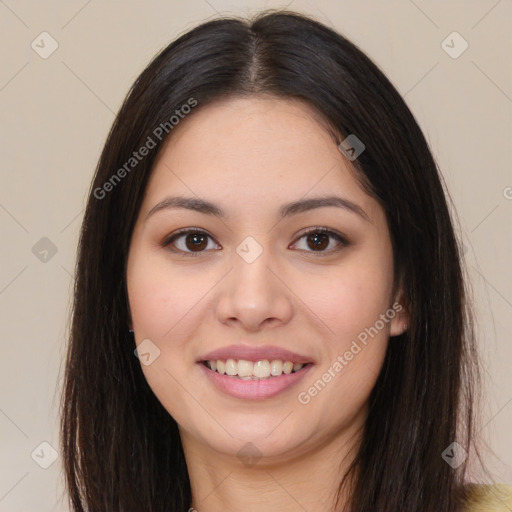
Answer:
(286, 210)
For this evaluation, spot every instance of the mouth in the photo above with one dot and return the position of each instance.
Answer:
(262, 369)
(266, 379)
(248, 372)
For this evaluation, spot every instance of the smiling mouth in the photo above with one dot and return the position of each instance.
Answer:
(259, 370)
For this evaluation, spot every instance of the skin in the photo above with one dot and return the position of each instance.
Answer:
(249, 156)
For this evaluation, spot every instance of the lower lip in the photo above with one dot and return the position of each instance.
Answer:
(254, 389)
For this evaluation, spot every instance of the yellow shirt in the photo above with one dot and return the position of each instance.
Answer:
(489, 498)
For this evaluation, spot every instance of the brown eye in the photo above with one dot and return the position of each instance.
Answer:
(319, 239)
(196, 242)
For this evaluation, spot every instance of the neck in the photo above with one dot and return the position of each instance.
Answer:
(308, 480)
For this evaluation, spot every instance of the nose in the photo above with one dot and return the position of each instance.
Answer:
(253, 296)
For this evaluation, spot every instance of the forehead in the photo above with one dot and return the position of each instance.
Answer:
(252, 149)
(250, 127)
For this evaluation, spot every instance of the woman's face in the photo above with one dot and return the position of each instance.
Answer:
(259, 279)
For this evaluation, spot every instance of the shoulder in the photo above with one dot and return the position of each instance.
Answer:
(488, 498)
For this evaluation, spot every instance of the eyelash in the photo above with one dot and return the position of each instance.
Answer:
(185, 231)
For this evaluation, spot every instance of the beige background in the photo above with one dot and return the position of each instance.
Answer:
(55, 115)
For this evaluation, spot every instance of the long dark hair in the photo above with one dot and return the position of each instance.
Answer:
(121, 448)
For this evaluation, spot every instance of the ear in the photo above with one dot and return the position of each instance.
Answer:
(400, 322)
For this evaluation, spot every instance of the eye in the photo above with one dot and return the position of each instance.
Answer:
(190, 242)
(317, 239)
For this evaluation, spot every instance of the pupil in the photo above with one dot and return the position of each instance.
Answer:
(319, 240)
(197, 241)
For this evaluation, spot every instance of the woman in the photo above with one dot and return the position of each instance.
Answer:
(269, 311)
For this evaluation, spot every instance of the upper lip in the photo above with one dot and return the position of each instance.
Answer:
(250, 353)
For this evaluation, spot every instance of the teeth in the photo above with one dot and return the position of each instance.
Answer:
(276, 367)
(247, 370)
(231, 367)
(244, 368)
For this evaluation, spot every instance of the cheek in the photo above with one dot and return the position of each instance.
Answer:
(162, 296)
(165, 304)
(351, 303)
(350, 298)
